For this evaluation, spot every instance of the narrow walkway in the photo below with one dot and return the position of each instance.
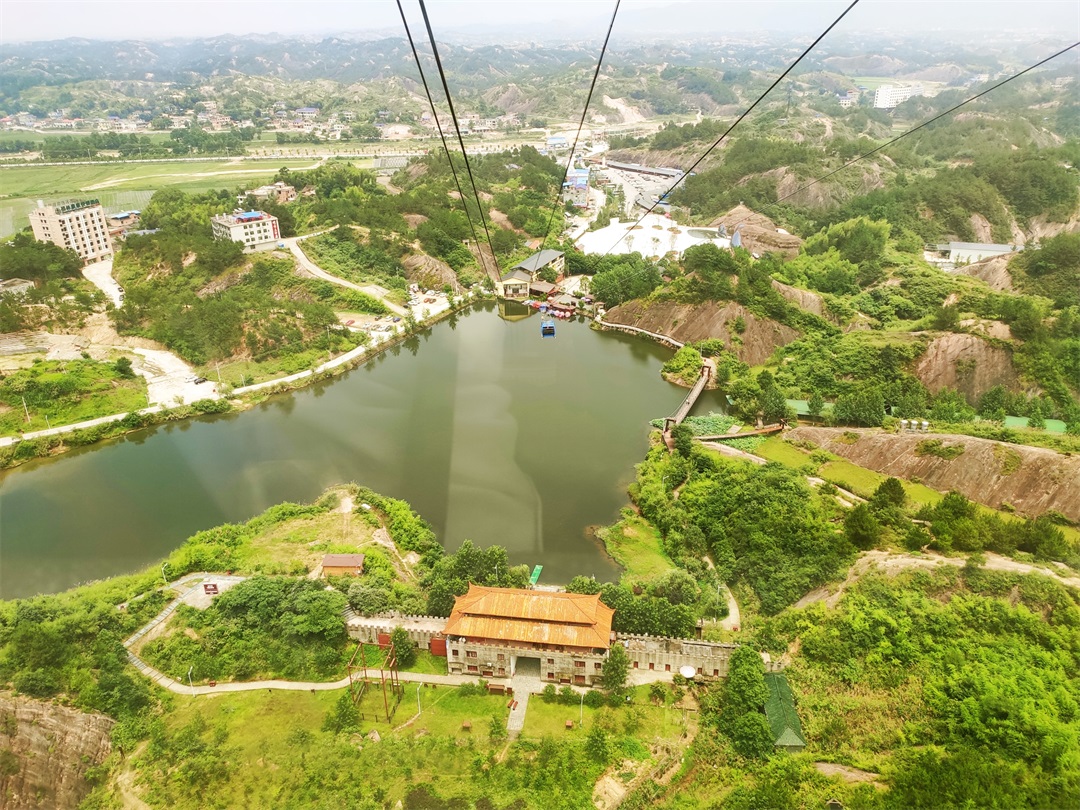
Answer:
(708, 370)
(525, 682)
(374, 290)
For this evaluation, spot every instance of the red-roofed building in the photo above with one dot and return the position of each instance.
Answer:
(491, 630)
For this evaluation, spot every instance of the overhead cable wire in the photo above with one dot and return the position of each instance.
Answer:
(581, 123)
(461, 142)
(435, 115)
(949, 111)
(738, 120)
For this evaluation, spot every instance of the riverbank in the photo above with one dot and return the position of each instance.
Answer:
(16, 450)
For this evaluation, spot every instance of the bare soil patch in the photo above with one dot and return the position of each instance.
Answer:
(688, 323)
(1043, 479)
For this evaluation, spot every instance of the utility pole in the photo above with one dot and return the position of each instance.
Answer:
(217, 366)
(27, 412)
(189, 680)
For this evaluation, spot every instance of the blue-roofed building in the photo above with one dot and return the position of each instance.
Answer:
(255, 230)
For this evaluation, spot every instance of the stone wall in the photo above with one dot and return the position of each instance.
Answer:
(421, 629)
(657, 653)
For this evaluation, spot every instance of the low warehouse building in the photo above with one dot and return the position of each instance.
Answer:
(343, 565)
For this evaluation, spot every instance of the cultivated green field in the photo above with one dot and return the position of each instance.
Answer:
(125, 185)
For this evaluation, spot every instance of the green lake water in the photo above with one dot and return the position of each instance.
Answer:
(490, 432)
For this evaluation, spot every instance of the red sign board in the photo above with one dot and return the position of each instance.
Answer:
(210, 588)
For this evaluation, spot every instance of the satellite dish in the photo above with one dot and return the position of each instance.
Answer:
(687, 672)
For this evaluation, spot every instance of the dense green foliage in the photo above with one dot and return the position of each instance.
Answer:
(1051, 270)
(224, 304)
(264, 626)
(70, 644)
(760, 525)
(974, 687)
(67, 391)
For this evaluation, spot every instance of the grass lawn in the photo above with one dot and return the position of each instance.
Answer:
(637, 547)
(850, 476)
(776, 449)
(95, 389)
(305, 540)
(653, 722)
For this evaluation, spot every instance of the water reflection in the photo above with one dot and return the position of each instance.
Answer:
(489, 431)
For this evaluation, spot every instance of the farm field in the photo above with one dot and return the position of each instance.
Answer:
(124, 185)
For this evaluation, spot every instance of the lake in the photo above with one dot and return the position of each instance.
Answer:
(490, 432)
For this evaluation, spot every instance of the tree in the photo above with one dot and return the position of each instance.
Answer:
(403, 647)
(343, 716)
(947, 318)
(752, 736)
(496, 729)
(745, 690)
(862, 528)
(1036, 418)
(367, 600)
(616, 669)
(596, 745)
(123, 367)
(683, 438)
(890, 492)
(816, 404)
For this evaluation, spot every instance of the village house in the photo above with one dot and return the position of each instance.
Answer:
(517, 281)
(16, 286)
(342, 565)
(255, 230)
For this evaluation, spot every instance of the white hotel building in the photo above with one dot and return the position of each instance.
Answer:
(78, 225)
(255, 230)
(888, 96)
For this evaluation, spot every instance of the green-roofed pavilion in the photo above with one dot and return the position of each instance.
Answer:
(780, 711)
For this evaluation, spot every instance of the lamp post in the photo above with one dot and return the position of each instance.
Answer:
(163, 577)
(418, 709)
(581, 711)
(189, 680)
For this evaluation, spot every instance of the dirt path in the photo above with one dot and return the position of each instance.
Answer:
(849, 774)
(119, 180)
(892, 563)
(374, 290)
(100, 275)
(125, 783)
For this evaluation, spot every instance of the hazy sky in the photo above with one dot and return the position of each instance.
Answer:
(25, 20)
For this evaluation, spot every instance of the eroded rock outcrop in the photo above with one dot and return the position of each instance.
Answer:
(46, 750)
(714, 319)
(1031, 479)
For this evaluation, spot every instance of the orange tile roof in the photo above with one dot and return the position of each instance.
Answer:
(534, 617)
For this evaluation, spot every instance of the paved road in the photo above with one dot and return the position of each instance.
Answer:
(100, 275)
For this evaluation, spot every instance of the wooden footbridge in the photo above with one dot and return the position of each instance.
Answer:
(708, 371)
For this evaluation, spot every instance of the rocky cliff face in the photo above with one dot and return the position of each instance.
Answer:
(714, 319)
(1031, 479)
(45, 751)
(967, 363)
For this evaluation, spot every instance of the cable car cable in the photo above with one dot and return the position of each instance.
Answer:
(738, 120)
(581, 123)
(435, 115)
(457, 129)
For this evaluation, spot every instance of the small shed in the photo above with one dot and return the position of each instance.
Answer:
(343, 565)
(780, 711)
